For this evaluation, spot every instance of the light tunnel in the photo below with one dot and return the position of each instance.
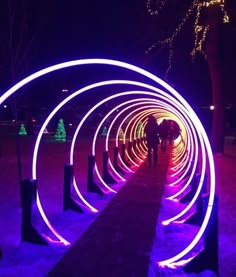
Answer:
(191, 153)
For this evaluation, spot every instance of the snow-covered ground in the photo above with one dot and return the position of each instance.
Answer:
(226, 190)
(25, 259)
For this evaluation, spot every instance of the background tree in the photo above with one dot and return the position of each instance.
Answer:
(61, 131)
(207, 18)
(15, 46)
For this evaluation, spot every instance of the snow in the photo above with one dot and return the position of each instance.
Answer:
(26, 259)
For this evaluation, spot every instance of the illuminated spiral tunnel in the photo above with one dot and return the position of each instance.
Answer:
(191, 153)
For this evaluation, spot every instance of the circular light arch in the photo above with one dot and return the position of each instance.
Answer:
(202, 137)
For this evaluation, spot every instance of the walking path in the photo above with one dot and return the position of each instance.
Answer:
(25, 259)
(119, 242)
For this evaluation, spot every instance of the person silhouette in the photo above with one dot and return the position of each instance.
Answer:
(152, 139)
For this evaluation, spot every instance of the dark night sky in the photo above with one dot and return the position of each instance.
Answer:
(67, 30)
(93, 28)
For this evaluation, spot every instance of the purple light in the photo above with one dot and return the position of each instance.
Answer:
(181, 104)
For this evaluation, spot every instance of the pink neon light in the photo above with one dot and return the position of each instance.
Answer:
(187, 207)
(108, 133)
(134, 126)
(185, 108)
(179, 152)
(107, 137)
(110, 127)
(198, 190)
(180, 157)
(133, 134)
(57, 235)
(190, 157)
(125, 136)
(140, 118)
(194, 164)
(127, 127)
(112, 123)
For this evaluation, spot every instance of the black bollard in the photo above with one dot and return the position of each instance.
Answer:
(129, 150)
(106, 175)
(209, 257)
(92, 186)
(28, 230)
(115, 161)
(123, 151)
(194, 184)
(188, 172)
(68, 201)
(134, 144)
(123, 155)
(197, 217)
(138, 141)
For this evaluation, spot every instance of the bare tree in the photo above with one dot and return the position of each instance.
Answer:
(208, 16)
(214, 65)
(15, 46)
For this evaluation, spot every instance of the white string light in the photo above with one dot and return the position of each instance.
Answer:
(200, 31)
(158, 5)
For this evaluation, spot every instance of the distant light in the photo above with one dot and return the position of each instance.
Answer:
(184, 107)
(212, 108)
(65, 90)
(70, 124)
(5, 106)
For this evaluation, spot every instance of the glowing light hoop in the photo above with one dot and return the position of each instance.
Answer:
(82, 121)
(178, 103)
(203, 137)
(109, 129)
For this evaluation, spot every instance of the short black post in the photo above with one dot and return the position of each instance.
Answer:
(106, 175)
(0, 253)
(123, 151)
(68, 201)
(138, 141)
(28, 230)
(130, 146)
(198, 216)
(194, 184)
(92, 186)
(134, 144)
(187, 175)
(209, 257)
(115, 161)
(123, 155)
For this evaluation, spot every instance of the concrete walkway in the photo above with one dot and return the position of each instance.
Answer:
(120, 240)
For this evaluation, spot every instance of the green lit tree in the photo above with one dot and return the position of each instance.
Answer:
(208, 16)
(22, 131)
(61, 131)
(104, 131)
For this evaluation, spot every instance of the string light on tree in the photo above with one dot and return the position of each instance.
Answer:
(60, 132)
(200, 30)
(159, 5)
